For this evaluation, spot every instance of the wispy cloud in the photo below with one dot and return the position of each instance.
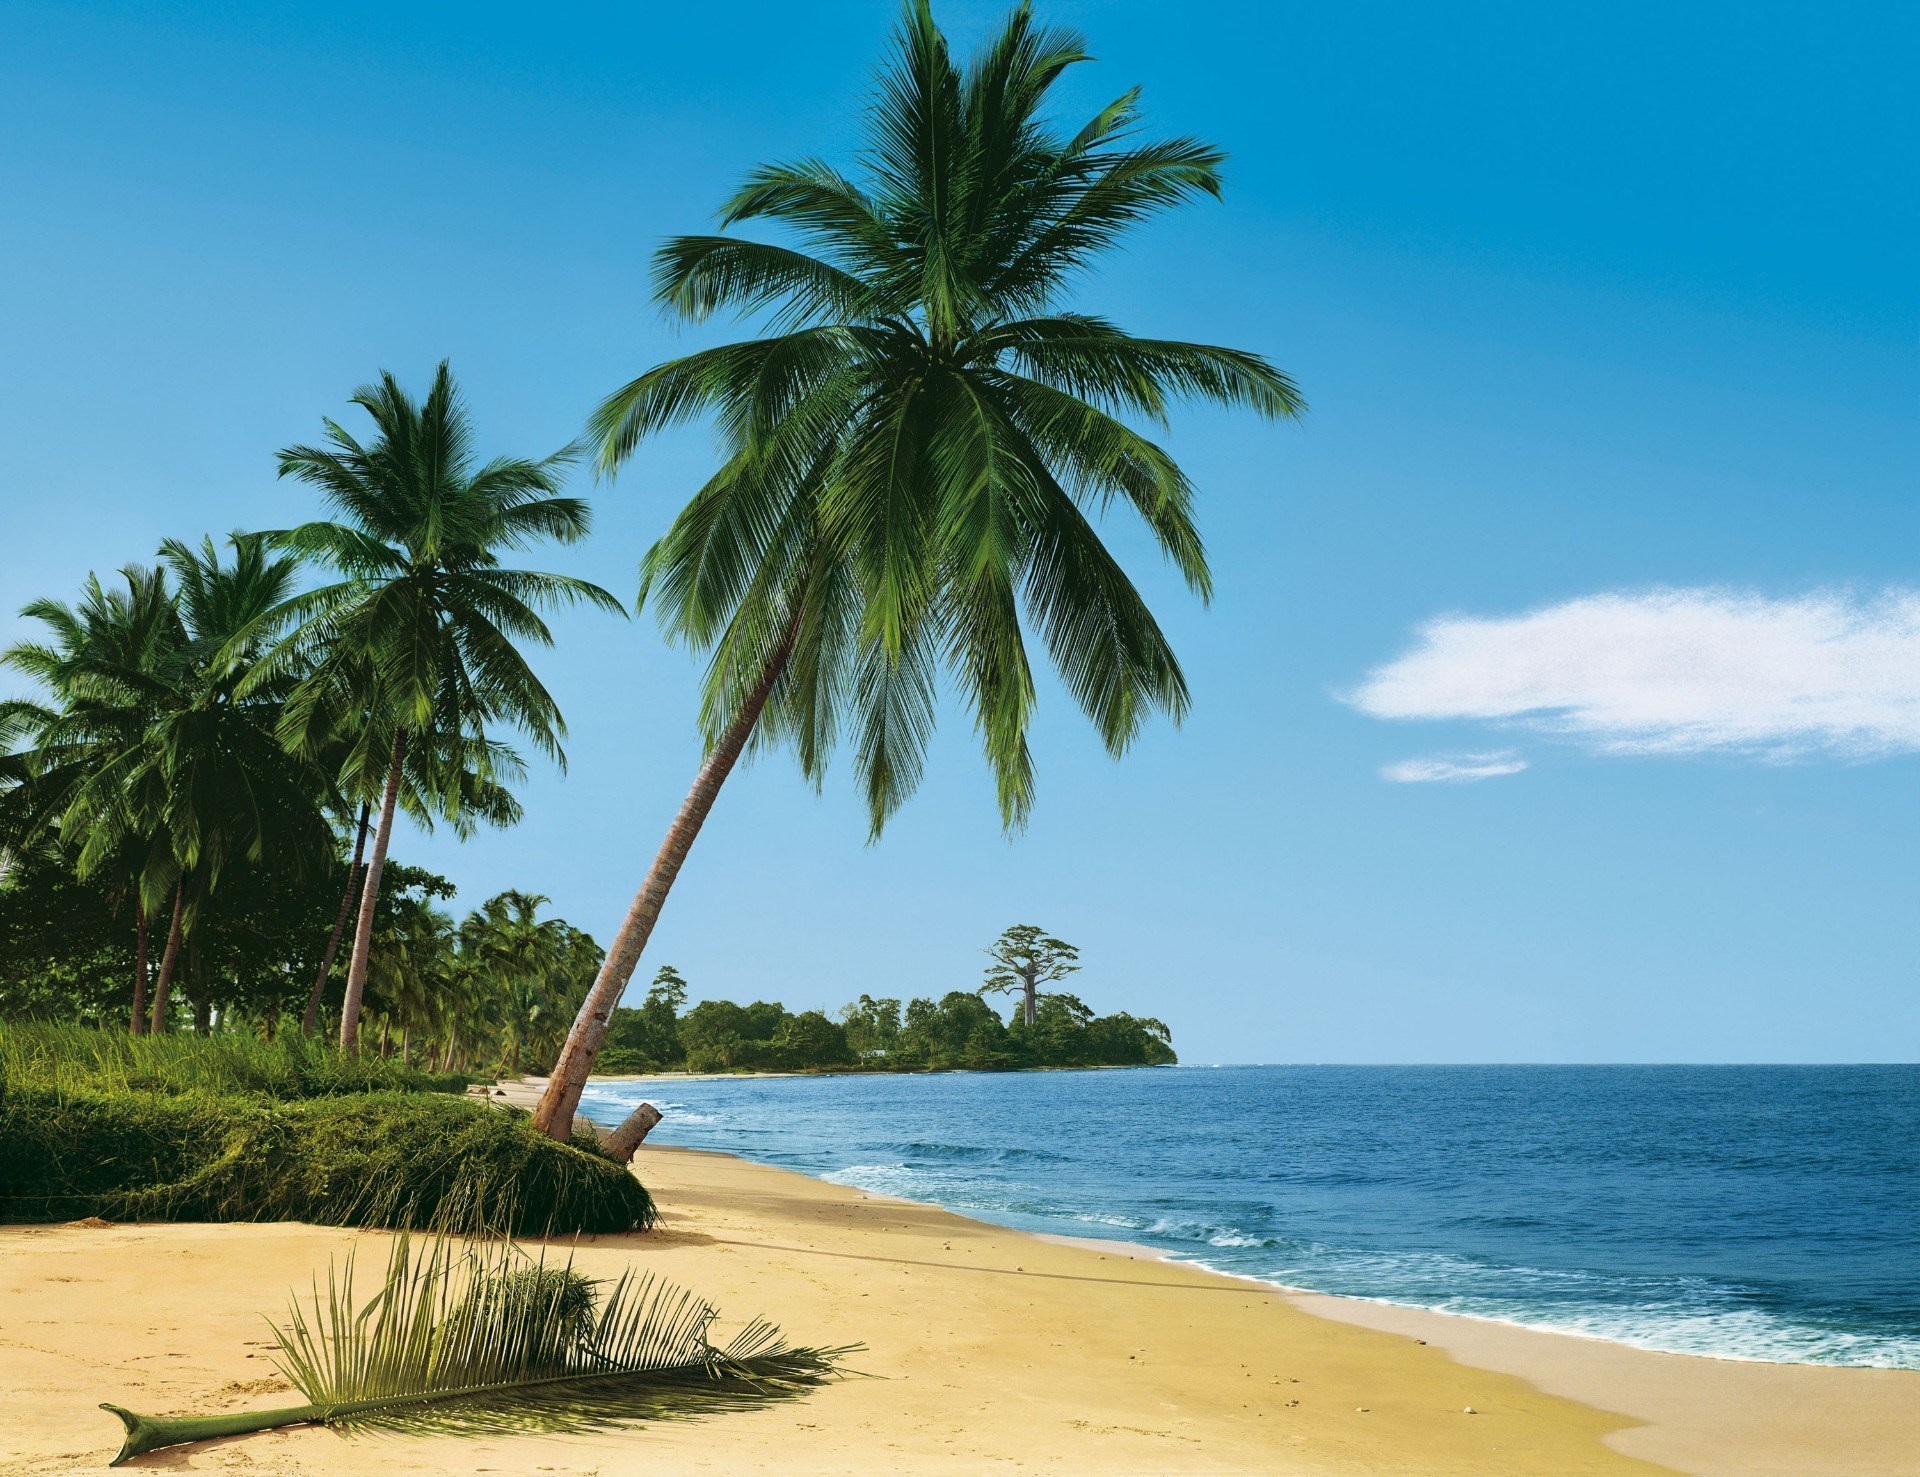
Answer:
(1456, 769)
(1675, 671)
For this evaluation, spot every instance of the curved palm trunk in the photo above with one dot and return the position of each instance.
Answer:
(171, 956)
(137, 1022)
(312, 1016)
(554, 1115)
(369, 894)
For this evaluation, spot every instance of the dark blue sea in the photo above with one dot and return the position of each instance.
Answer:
(1748, 1212)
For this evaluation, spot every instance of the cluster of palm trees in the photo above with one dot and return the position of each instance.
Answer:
(914, 456)
(207, 715)
(498, 990)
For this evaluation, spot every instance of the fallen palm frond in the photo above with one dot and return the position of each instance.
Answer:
(471, 1338)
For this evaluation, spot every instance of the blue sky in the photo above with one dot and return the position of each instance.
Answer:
(1591, 302)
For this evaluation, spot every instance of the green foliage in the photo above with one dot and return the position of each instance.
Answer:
(648, 1039)
(67, 949)
(365, 1159)
(872, 1026)
(424, 626)
(957, 1032)
(533, 973)
(68, 1059)
(917, 450)
(721, 1036)
(1025, 958)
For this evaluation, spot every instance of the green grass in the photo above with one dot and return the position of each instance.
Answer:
(372, 1159)
(231, 1128)
(66, 1058)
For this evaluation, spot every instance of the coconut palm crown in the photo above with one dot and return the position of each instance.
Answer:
(422, 632)
(917, 449)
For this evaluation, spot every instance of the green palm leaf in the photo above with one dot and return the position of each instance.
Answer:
(471, 1338)
(921, 446)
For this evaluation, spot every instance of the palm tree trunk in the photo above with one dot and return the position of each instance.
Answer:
(406, 1040)
(164, 986)
(446, 1062)
(369, 895)
(312, 1016)
(554, 1115)
(384, 1024)
(137, 1023)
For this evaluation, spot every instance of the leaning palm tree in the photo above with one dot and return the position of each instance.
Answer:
(916, 448)
(424, 619)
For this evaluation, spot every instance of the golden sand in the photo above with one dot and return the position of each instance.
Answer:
(988, 1351)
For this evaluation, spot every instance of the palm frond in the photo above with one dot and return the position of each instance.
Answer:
(471, 1337)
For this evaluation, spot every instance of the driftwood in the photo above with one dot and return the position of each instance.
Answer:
(622, 1142)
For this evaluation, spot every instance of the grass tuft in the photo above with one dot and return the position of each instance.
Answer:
(74, 1058)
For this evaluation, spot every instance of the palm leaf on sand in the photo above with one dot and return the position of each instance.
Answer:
(474, 1338)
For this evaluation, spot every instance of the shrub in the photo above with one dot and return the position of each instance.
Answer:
(377, 1159)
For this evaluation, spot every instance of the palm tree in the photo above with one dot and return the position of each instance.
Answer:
(459, 781)
(209, 769)
(409, 980)
(107, 665)
(914, 450)
(424, 619)
(538, 970)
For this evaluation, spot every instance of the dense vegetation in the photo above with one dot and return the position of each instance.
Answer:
(199, 790)
(493, 992)
(958, 1031)
(229, 1127)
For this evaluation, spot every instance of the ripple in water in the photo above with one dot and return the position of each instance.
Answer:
(1746, 1212)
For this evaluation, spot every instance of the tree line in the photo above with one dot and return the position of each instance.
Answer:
(1050, 1028)
(914, 454)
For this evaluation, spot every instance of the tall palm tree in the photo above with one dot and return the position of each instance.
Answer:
(209, 769)
(914, 450)
(107, 665)
(424, 621)
(457, 779)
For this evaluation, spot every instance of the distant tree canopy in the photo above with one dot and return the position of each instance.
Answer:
(1025, 958)
(959, 1031)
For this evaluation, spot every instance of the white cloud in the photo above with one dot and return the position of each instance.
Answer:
(1454, 769)
(1676, 672)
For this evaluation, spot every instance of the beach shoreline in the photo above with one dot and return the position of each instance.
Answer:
(989, 1350)
(1696, 1412)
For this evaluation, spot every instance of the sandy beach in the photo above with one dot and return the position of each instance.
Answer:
(988, 1350)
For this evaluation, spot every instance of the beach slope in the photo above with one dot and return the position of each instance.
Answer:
(988, 1351)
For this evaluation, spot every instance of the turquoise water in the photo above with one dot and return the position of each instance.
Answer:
(1748, 1212)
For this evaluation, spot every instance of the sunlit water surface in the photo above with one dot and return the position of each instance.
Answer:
(1748, 1212)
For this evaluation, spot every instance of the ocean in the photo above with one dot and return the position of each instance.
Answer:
(1767, 1213)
